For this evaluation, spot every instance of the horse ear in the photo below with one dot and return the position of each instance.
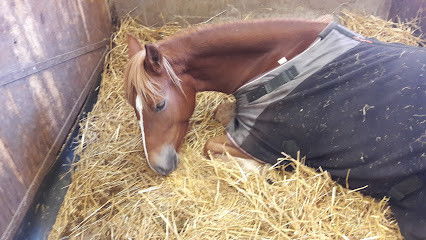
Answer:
(134, 45)
(153, 58)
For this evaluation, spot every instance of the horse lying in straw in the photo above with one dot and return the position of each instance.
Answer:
(354, 106)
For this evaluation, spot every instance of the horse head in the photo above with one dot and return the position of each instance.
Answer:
(162, 101)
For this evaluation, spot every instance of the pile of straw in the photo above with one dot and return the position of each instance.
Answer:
(114, 194)
(387, 31)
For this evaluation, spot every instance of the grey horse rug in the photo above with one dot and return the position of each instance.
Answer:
(353, 106)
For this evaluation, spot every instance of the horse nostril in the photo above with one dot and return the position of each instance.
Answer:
(168, 165)
(162, 170)
(175, 161)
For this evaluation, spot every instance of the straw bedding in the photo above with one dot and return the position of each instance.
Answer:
(114, 194)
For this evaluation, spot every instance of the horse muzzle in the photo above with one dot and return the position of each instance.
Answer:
(165, 162)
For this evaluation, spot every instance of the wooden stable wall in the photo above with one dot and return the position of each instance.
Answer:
(50, 54)
(408, 10)
(155, 12)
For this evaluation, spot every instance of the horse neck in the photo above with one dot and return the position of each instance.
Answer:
(225, 57)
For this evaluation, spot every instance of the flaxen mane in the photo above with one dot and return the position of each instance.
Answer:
(137, 81)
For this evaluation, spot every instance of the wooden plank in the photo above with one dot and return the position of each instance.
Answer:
(35, 31)
(17, 131)
(21, 73)
(13, 190)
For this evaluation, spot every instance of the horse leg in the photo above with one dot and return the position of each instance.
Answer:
(220, 145)
(225, 112)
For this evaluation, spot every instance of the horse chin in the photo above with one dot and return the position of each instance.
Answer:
(165, 161)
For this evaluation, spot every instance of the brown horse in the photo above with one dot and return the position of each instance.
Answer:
(354, 106)
(162, 78)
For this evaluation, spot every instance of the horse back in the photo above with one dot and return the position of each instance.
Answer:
(362, 111)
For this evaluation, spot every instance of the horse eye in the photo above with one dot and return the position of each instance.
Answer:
(160, 106)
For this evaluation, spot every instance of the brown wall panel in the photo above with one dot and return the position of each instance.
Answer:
(30, 131)
(55, 91)
(50, 54)
(34, 31)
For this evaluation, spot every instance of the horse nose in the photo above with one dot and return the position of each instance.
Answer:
(167, 161)
(168, 168)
